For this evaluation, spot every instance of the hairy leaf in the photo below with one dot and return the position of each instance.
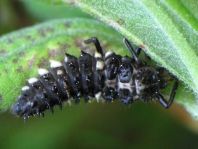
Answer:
(167, 30)
(41, 9)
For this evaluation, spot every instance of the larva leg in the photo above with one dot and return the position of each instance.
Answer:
(96, 42)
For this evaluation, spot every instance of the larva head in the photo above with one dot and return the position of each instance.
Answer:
(146, 81)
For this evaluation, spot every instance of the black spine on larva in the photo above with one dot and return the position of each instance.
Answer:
(61, 78)
(73, 76)
(85, 63)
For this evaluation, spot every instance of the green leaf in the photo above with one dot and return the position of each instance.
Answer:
(41, 9)
(166, 30)
(23, 51)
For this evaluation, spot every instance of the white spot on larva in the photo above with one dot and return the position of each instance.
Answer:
(90, 101)
(98, 55)
(66, 59)
(99, 65)
(55, 64)
(25, 88)
(126, 85)
(30, 103)
(98, 96)
(139, 87)
(42, 71)
(108, 53)
(111, 83)
(32, 80)
(69, 102)
(59, 72)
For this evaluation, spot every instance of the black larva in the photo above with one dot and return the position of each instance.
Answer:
(105, 76)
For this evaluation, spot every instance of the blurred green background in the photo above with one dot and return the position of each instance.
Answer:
(89, 125)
